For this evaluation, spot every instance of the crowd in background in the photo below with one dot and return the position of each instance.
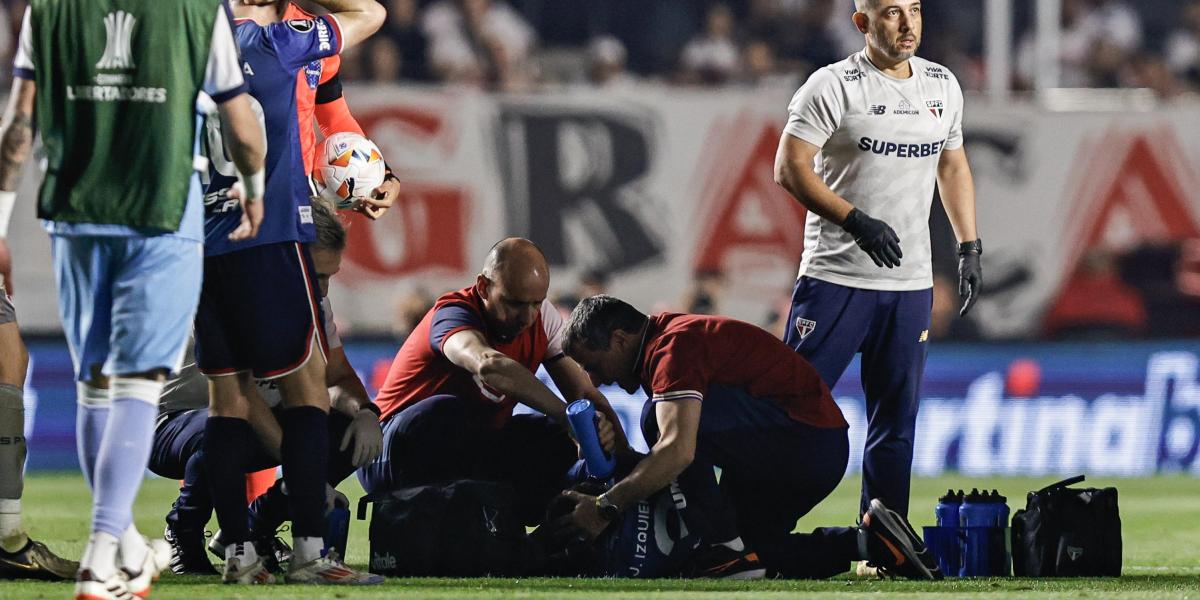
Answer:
(517, 45)
(514, 45)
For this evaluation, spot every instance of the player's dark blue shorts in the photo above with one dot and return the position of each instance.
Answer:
(260, 311)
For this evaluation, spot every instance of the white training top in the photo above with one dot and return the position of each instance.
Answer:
(880, 139)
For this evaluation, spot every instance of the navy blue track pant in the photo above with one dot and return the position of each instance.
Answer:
(178, 453)
(828, 325)
(435, 441)
(774, 470)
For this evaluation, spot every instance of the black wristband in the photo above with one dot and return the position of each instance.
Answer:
(971, 247)
(387, 172)
(851, 223)
(371, 406)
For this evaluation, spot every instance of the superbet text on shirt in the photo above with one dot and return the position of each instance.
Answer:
(881, 139)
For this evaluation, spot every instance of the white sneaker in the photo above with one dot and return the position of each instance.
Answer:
(241, 568)
(158, 557)
(330, 570)
(90, 587)
(866, 569)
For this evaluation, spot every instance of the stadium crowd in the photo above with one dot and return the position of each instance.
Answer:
(518, 44)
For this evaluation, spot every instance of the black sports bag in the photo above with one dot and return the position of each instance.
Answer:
(462, 528)
(1065, 532)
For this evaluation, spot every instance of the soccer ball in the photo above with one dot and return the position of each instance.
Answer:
(349, 167)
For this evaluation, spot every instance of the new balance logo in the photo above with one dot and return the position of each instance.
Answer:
(117, 54)
(877, 109)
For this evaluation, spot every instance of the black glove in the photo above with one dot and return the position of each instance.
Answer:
(875, 237)
(970, 274)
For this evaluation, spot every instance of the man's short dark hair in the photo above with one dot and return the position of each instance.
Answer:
(331, 233)
(595, 319)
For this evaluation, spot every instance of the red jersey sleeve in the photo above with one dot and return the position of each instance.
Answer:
(677, 369)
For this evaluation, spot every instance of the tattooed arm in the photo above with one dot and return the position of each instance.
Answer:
(16, 133)
(16, 140)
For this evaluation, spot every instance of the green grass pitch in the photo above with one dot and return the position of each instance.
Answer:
(1161, 529)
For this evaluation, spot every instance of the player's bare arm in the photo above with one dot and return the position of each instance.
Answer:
(358, 19)
(575, 384)
(678, 423)
(16, 140)
(247, 144)
(794, 172)
(469, 350)
(349, 397)
(957, 188)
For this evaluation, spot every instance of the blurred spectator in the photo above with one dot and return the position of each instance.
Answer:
(606, 62)
(10, 27)
(817, 35)
(704, 298)
(383, 60)
(591, 283)
(404, 38)
(1096, 304)
(713, 57)
(410, 309)
(478, 42)
(1163, 274)
(1152, 71)
(1183, 47)
(1098, 37)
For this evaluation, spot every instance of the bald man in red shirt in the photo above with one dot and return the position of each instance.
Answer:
(447, 404)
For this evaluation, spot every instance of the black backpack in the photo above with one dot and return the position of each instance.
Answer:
(1064, 532)
(458, 529)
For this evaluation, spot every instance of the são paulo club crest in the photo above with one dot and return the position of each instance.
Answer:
(935, 107)
(805, 326)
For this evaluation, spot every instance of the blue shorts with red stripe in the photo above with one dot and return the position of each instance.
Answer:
(260, 311)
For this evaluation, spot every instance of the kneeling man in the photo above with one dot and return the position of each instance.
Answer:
(447, 404)
(727, 394)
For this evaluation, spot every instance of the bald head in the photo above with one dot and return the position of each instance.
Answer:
(513, 260)
(514, 282)
(865, 5)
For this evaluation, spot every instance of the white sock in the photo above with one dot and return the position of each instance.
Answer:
(306, 549)
(244, 552)
(12, 535)
(101, 554)
(735, 544)
(133, 550)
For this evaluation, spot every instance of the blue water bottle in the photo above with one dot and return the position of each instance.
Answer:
(977, 518)
(581, 417)
(946, 512)
(1000, 552)
(1000, 506)
(942, 540)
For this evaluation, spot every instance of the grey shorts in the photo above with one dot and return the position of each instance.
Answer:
(8, 314)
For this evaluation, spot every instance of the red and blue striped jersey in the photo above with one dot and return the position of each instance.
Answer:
(272, 55)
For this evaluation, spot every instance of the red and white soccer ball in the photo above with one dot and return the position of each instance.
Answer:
(349, 167)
